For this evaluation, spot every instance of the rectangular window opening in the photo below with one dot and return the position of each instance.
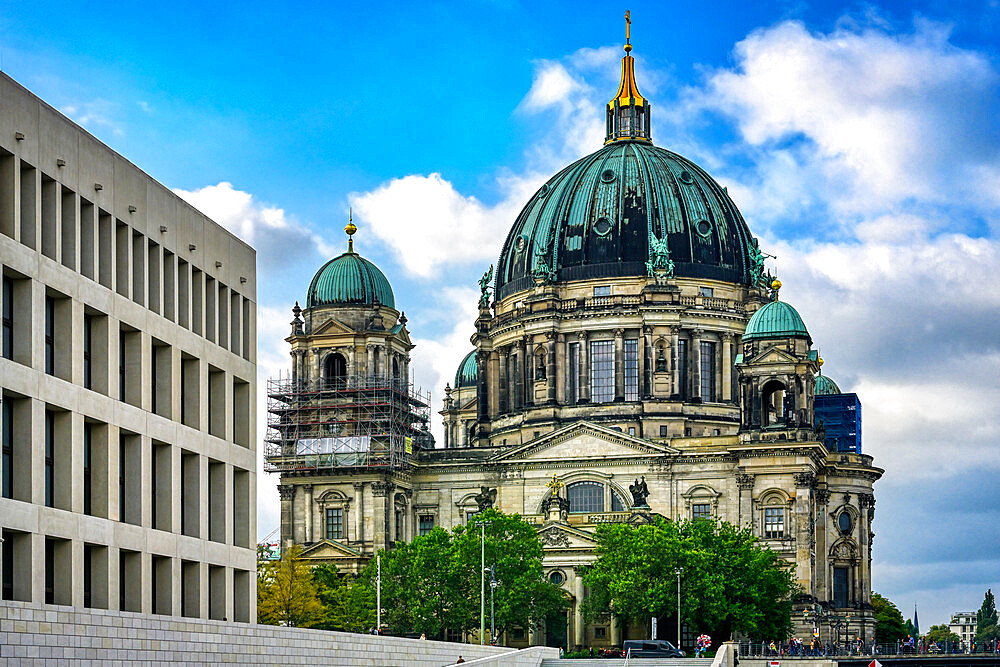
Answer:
(631, 369)
(602, 371)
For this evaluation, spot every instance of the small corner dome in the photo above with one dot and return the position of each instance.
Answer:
(825, 386)
(776, 319)
(468, 371)
(349, 279)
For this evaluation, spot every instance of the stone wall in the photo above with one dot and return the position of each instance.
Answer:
(51, 634)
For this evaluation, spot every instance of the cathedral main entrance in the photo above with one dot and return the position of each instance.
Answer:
(556, 625)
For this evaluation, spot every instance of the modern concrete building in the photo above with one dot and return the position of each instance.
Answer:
(128, 382)
(634, 347)
(963, 624)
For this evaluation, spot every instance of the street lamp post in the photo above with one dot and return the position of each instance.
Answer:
(482, 581)
(679, 571)
(493, 618)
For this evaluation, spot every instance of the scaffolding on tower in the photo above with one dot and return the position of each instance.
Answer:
(344, 422)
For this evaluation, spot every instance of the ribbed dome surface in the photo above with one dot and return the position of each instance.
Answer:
(776, 319)
(826, 386)
(596, 219)
(349, 279)
(467, 374)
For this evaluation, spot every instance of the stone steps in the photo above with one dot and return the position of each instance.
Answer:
(618, 662)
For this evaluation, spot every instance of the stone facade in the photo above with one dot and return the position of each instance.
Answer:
(128, 378)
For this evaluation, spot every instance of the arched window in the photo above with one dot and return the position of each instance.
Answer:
(772, 396)
(617, 504)
(335, 368)
(586, 497)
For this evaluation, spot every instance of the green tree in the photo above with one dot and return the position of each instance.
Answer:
(941, 633)
(433, 582)
(986, 620)
(286, 592)
(348, 605)
(730, 582)
(523, 596)
(911, 630)
(889, 625)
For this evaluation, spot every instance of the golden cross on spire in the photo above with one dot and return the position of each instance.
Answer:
(555, 484)
(628, 30)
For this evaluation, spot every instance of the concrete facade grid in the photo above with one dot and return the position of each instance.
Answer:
(130, 383)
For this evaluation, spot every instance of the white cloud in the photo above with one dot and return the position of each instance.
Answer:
(874, 119)
(278, 240)
(95, 115)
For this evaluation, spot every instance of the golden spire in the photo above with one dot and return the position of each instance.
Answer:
(628, 111)
(351, 228)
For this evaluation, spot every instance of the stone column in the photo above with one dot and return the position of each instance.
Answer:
(645, 359)
(307, 511)
(502, 390)
(616, 631)
(727, 367)
(562, 370)
(745, 482)
(675, 361)
(383, 505)
(619, 365)
(579, 636)
(529, 372)
(866, 504)
(359, 512)
(493, 373)
(482, 389)
(823, 590)
(370, 361)
(518, 381)
(695, 372)
(550, 366)
(584, 368)
(286, 492)
(802, 528)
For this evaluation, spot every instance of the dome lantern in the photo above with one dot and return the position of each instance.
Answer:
(628, 112)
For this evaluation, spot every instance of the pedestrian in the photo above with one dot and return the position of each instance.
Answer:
(423, 636)
(460, 660)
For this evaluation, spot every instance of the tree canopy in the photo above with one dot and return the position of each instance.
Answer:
(986, 620)
(286, 592)
(730, 581)
(433, 582)
(889, 624)
(348, 605)
(942, 633)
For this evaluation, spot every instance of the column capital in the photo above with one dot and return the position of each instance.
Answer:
(619, 332)
(286, 491)
(583, 335)
(728, 336)
(745, 480)
(358, 486)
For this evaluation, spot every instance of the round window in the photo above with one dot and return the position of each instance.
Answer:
(521, 242)
(844, 522)
(607, 176)
(686, 177)
(557, 578)
(704, 228)
(602, 226)
(544, 190)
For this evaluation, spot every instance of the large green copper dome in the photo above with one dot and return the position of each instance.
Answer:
(597, 217)
(467, 374)
(776, 319)
(825, 386)
(349, 279)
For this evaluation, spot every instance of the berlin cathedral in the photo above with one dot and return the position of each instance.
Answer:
(631, 344)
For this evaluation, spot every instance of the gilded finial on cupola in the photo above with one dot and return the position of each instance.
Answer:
(351, 228)
(628, 112)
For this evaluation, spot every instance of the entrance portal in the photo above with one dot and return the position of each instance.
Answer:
(555, 629)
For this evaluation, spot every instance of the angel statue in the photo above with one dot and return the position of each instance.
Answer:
(486, 497)
(484, 287)
(659, 264)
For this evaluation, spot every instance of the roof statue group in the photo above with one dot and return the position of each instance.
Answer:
(631, 359)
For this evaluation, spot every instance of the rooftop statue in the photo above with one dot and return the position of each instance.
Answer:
(486, 497)
(659, 265)
(639, 492)
(484, 287)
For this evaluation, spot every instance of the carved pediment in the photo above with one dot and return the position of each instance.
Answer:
(583, 440)
(329, 550)
(774, 355)
(332, 327)
(561, 536)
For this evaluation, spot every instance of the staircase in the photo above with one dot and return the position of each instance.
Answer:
(618, 662)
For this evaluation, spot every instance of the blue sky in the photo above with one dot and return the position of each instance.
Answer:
(860, 141)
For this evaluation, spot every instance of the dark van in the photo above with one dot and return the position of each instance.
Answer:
(651, 648)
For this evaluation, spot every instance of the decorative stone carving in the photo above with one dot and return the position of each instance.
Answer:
(382, 489)
(844, 550)
(822, 496)
(286, 491)
(745, 481)
(805, 480)
(485, 498)
(554, 538)
(659, 267)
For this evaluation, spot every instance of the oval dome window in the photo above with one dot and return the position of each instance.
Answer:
(704, 228)
(686, 177)
(607, 176)
(521, 243)
(602, 226)
(844, 522)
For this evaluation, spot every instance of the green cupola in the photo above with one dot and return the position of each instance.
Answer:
(776, 319)
(349, 280)
(825, 386)
(468, 371)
